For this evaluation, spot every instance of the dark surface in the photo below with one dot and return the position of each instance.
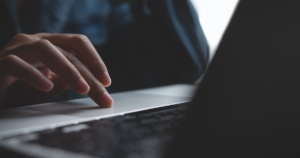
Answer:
(10, 154)
(248, 102)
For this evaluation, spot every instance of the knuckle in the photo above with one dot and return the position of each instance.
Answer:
(70, 56)
(42, 43)
(10, 58)
(74, 60)
(70, 66)
(80, 39)
(93, 82)
(22, 36)
(41, 34)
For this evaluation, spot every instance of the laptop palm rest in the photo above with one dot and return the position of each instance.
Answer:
(50, 115)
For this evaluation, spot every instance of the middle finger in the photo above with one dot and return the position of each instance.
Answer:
(97, 92)
(51, 57)
(81, 45)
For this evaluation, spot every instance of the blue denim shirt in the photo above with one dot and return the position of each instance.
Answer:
(143, 44)
(93, 18)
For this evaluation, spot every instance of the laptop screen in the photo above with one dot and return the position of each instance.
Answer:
(248, 103)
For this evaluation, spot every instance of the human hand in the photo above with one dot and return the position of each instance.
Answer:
(47, 63)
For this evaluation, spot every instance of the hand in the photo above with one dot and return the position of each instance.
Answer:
(49, 63)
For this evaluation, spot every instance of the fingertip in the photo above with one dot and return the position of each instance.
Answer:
(107, 100)
(84, 88)
(105, 79)
(46, 85)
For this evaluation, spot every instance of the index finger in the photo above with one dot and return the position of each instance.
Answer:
(81, 46)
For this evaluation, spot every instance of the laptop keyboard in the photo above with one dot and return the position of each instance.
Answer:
(136, 135)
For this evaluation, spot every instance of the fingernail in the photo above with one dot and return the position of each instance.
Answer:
(106, 73)
(107, 100)
(84, 87)
(106, 79)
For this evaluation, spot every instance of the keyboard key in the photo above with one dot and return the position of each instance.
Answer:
(143, 134)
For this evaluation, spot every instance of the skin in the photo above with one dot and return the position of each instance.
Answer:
(48, 64)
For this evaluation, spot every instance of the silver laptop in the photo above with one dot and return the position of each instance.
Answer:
(20, 125)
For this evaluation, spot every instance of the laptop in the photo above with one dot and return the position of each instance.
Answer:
(79, 115)
(247, 104)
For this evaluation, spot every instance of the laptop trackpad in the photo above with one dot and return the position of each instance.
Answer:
(124, 103)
